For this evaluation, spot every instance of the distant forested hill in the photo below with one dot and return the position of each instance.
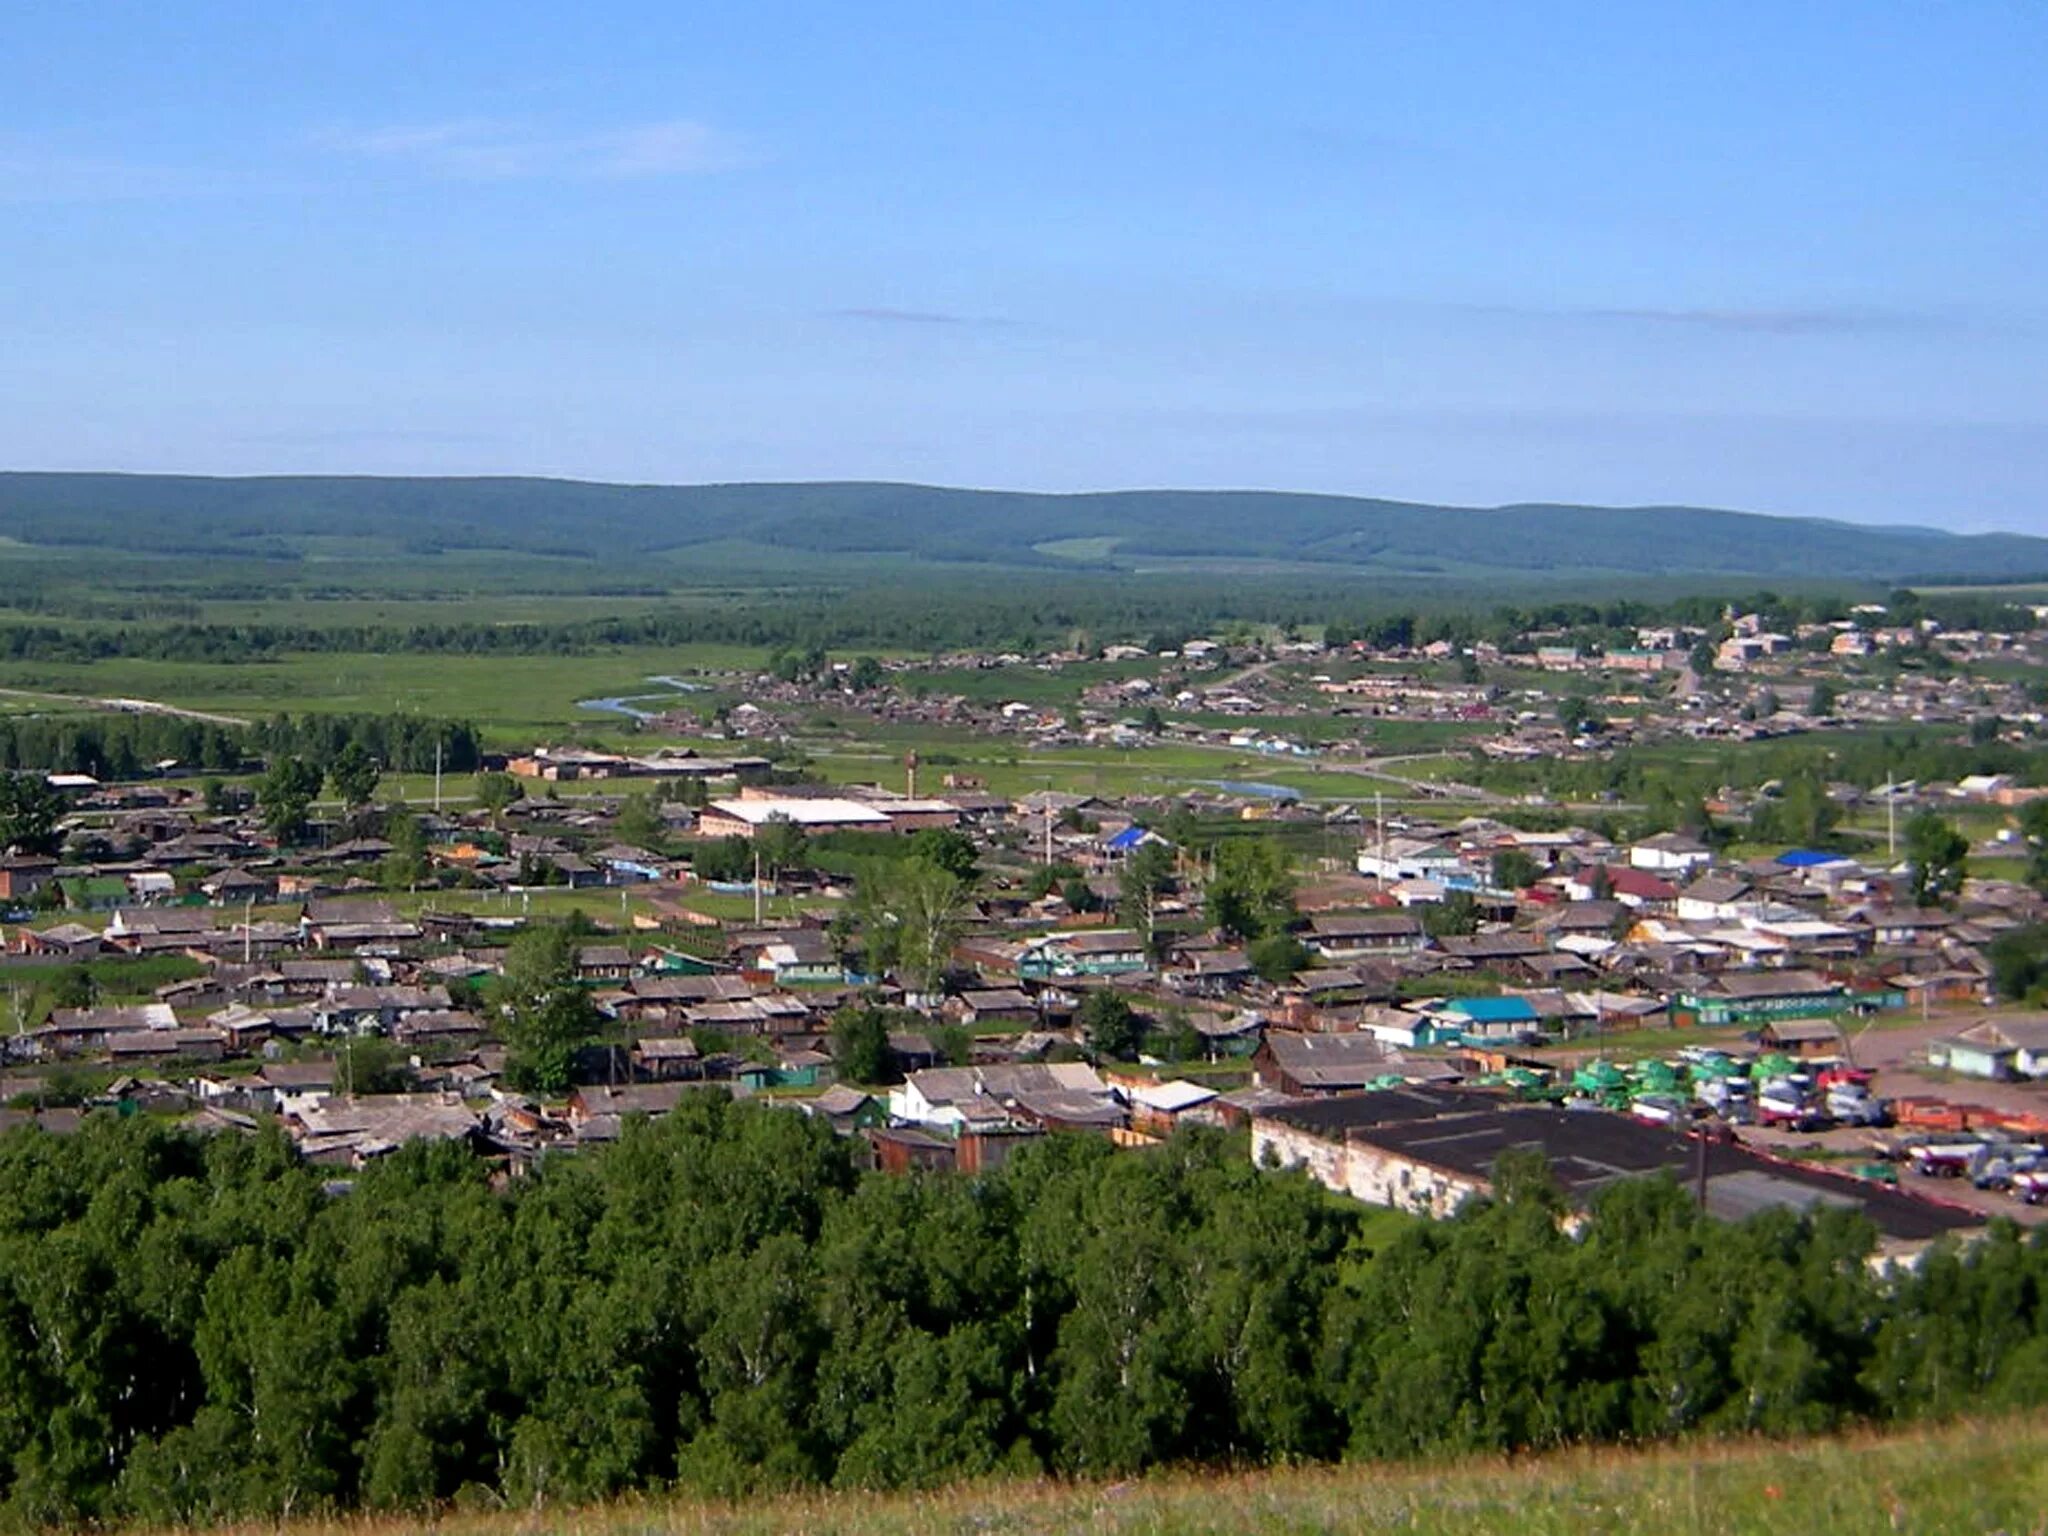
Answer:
(296, 517)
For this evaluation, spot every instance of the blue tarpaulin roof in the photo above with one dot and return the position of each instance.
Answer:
(1806, 858)
(1126, 840)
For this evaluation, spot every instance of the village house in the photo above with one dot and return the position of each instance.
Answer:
(367, 1010)
(1999, 1049)
(1487, 1020)
(1210, 973)
(1897, 927)
(1159, 1109)
(358, 926)
(1716, 898)
(952, 1100)
(351, 1132)
(62, 941)
(1342, 937)
(1802, 1038)
(992, 1008)
(594, 1102)
(1089, 952)
(1299, 1064)
(1412, 858)
(846, 1109)
(145, 930)
(666, 1058)
(1756, 998)
(138, 1047)
(438, 1030)
(1635, 888)
(788, 957)
(1672, 853)
(746, 816)
(24, 876)
(278, 1087)
(1506, 953)
(604, 962)
(235, 887)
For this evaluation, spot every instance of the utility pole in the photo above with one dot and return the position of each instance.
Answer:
(757, 887)
(1891, 818)
(437, 773)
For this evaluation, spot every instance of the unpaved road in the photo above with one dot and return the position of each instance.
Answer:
(123, 706)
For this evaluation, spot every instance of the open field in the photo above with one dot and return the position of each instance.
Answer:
(512, 697)
(1979, 1476)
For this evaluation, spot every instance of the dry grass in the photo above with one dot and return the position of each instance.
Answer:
(1972, 1477)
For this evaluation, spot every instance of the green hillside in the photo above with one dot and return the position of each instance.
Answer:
(1970, 1477)
(342, 518)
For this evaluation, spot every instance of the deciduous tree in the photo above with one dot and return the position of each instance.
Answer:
(29, 812)
(353, 775)
(286, 793)
(1937, 857)
(1109, 1025)
(1252, 890)
(1142, 885)
(548, 1016)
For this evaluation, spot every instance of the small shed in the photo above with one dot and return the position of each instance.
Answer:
(1803, 1038)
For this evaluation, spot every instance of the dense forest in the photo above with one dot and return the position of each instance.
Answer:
(195, 1328)
(282, 517)
(932, 616)
(126, 746)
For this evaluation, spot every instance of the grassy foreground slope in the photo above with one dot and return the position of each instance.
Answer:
(1970, 1477)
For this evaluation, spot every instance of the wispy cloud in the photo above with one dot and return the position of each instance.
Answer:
(887, 314)
(491, 149)
(1816, 320)
(884, 314)
(1820, 321)
(329, 437)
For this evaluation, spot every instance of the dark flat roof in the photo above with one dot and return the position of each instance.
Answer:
(1590, 1148)
(1346, 1112)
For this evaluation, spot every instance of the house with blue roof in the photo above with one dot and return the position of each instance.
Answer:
(1129, 841)
(1488, 1020)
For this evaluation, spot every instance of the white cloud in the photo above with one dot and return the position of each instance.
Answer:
(488, 149)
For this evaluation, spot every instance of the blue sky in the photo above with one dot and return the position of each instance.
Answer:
(1789, 257)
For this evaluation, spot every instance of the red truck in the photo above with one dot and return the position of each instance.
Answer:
(1944, 1160)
